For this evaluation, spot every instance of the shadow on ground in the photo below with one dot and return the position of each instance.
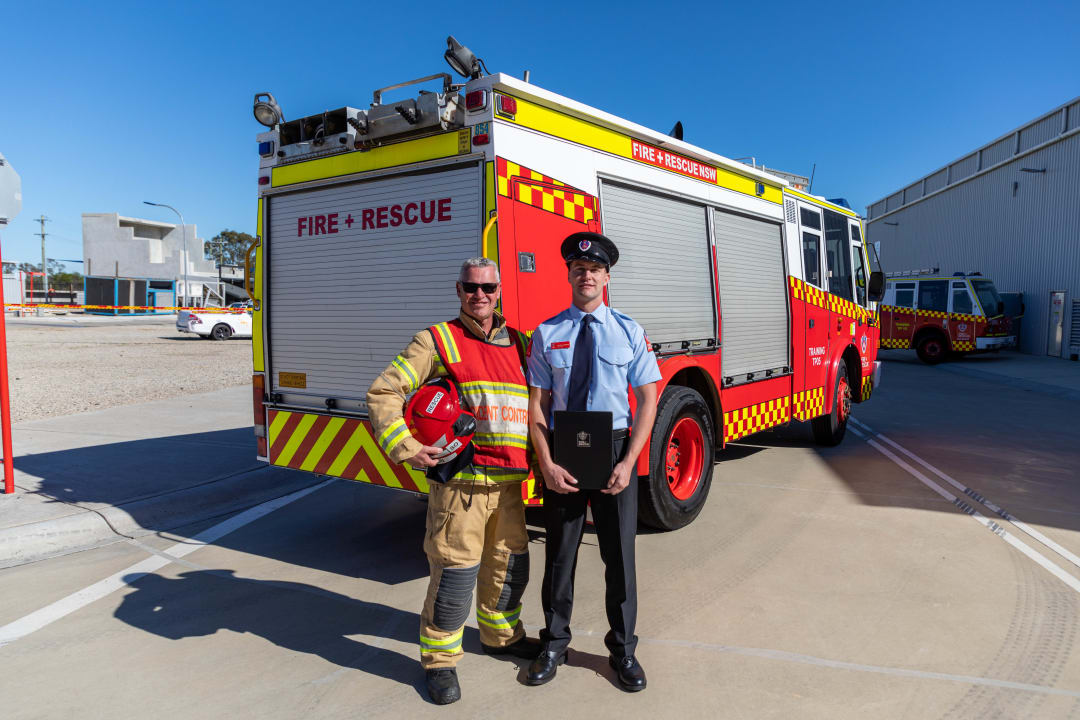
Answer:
(295, 616)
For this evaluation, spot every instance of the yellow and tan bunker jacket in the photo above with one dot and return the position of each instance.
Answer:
(491, 379)
(419, 362)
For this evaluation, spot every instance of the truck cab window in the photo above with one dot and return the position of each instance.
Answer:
(961, 299)
(860, 273)
(811, 245)
(934, 295)
(905, 295)
(838, 255)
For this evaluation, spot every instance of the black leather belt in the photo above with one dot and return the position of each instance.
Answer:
(620, 434)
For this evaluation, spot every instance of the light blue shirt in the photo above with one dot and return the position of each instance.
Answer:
(623, 359)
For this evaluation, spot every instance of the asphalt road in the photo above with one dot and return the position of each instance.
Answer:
(853, 582)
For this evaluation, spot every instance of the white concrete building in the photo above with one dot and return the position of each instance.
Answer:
(117, 246)
(1009, 209)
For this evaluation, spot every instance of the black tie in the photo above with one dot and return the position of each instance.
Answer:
(581, 372)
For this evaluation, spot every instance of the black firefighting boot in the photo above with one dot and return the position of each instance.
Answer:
(442, 686)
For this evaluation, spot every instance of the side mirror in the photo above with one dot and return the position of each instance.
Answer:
(876, 291)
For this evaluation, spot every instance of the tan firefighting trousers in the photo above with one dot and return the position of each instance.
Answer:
(475, 536)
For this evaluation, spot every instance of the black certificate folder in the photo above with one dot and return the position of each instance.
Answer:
(584, 446)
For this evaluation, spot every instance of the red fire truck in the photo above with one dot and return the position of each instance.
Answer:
(937, 315)
(759, 300)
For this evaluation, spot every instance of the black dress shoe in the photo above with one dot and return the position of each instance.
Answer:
(442, 686)
(629, 672)
(544, 666)
(525, 647)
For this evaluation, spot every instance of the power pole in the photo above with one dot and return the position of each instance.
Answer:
(44, 267)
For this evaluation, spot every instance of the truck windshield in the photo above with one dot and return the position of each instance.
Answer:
(988, 296)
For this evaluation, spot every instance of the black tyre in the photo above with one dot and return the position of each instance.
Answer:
(829, 429)
(932, 349)
(221, 331)
(680, 461)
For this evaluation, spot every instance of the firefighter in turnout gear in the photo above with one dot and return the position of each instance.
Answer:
(475, 533)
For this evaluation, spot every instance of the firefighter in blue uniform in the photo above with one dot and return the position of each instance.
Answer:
(584, 358)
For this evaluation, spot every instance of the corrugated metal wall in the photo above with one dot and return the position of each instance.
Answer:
(1020, 228)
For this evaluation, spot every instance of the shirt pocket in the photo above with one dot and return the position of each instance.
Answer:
(560, 361)
(617, 356)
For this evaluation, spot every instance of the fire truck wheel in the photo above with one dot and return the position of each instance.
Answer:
(680, 461)
(221, 331)
(829, 429)
(932, 349)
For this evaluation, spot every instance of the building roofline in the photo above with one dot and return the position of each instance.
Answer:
(1020, 128)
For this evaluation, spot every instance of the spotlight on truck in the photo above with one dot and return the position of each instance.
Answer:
(267, 111)
(462, 59)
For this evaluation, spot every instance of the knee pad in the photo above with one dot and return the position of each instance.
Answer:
(453, 600)
(517, 577)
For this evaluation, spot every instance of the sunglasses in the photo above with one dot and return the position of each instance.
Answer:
(488, 288)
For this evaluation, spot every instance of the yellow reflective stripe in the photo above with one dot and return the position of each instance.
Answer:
(511, 439)
(499, 620)
(280, 418)
(495, 387)
(393, 435)
(328, 434)
(407, 370)
(297, 437)
(451, 644)
(352, 445)
(377, 459)
(451, 348)
(494, 475)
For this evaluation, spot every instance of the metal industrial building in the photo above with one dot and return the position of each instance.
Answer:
(1010, 210)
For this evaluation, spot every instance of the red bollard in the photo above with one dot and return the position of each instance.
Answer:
(5, 402)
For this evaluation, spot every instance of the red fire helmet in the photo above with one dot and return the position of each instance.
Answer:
(435, 417)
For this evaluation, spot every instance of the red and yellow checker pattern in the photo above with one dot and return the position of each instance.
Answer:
(867, 388)
(802, 290)
(337, 447)
(895, 343)
(755, 418)
(543, 192)
(963, 345)
(809, 403)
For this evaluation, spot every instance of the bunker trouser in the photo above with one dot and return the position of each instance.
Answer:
(475, 536)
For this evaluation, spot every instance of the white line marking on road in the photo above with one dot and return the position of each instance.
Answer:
(786, 656)
(986, 522)
(51, 613)
(978, 497)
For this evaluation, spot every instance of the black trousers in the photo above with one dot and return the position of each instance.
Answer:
(615, 519)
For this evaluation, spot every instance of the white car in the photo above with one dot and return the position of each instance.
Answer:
(236, 322)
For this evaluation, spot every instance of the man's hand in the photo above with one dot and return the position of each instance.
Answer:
(426, 457)
(620, 478)
(558, 480)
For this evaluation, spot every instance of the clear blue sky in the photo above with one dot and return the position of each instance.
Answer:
(104, 105)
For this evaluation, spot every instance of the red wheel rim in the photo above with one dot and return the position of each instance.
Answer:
(843, 399)
(684, 457)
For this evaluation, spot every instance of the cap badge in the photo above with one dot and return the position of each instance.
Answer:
(584, 245)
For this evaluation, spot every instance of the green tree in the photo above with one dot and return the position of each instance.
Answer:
(228, 247)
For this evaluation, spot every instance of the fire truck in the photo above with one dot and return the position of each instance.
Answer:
(758, 299)
(937, 315)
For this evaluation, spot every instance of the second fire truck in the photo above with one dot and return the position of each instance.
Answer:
(758, 299)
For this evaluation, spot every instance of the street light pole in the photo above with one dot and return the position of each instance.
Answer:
(183, 235)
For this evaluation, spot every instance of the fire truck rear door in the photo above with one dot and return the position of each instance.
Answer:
(356, 269)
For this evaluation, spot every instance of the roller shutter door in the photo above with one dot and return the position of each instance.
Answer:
(664, 276)
(753, 295)
(342, 305)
